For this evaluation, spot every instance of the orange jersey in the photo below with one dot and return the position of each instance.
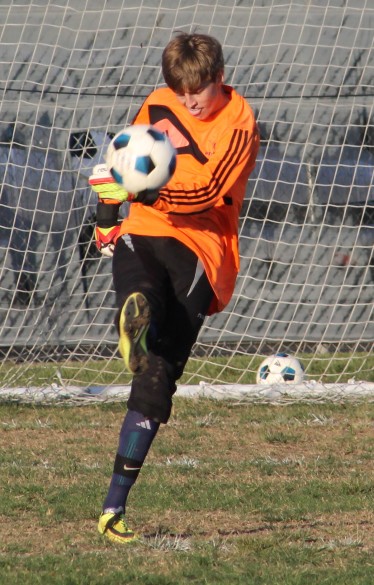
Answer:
(201, 203)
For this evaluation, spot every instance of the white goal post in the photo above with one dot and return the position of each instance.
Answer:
(74, 73)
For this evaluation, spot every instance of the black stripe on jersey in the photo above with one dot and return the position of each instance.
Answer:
(157, 113)
(239, 143)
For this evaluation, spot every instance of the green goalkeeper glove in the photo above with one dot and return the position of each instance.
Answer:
(109, 191)
(105, 186)
(110, 198)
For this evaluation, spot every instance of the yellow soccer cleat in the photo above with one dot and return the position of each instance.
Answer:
(115, 528)
(133, 327)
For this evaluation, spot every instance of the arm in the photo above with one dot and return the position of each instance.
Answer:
(111, 195)
(196, 187)
(110, 198)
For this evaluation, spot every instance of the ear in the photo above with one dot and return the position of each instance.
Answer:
(220, 77)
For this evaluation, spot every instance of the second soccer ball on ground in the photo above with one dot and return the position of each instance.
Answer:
(280, 368)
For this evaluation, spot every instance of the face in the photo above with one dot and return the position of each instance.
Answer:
(205, 101)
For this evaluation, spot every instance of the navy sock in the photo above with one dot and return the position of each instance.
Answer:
(136, 436)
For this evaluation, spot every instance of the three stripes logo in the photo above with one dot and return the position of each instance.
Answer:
(145, 424)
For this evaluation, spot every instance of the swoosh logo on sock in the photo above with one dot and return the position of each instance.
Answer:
(127, 468)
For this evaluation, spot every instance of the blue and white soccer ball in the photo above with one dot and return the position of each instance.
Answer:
(280, 368)
(141, 158)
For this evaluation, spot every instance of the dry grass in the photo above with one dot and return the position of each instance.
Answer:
(219, 478)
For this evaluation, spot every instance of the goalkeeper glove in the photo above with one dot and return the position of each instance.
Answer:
(105, 239)
(105, 186)
(111, 195)
(107, 227)
(109, 191)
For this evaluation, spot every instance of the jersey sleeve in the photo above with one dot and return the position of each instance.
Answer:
(197, 187)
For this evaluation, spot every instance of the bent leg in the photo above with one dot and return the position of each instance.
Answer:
(186, 302)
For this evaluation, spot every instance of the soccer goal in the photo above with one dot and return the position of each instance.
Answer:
(74, 73)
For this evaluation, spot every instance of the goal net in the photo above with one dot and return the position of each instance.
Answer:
(73, 73)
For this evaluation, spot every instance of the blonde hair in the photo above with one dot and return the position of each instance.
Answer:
(191, 60)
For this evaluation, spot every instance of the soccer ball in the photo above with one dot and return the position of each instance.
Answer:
(141, 158)
(280, 368)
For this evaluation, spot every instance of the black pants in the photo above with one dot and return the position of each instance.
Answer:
(175, 284)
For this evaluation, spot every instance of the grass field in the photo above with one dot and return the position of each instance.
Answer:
(230, 494)
(236, 369)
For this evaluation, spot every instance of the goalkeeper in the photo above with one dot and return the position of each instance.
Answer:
(175, 257)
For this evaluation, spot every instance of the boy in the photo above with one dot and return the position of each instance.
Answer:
(175, 257)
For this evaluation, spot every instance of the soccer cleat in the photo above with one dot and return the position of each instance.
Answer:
(133, 327)
(114, 527)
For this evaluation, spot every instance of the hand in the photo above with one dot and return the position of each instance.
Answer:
(105, 239)
(147, 197)
(105, 186)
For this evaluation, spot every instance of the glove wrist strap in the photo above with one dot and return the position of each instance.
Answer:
(107, 215)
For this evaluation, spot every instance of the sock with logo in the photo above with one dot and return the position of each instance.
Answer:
(135, 440)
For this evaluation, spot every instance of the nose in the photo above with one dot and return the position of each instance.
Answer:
(190, 100)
